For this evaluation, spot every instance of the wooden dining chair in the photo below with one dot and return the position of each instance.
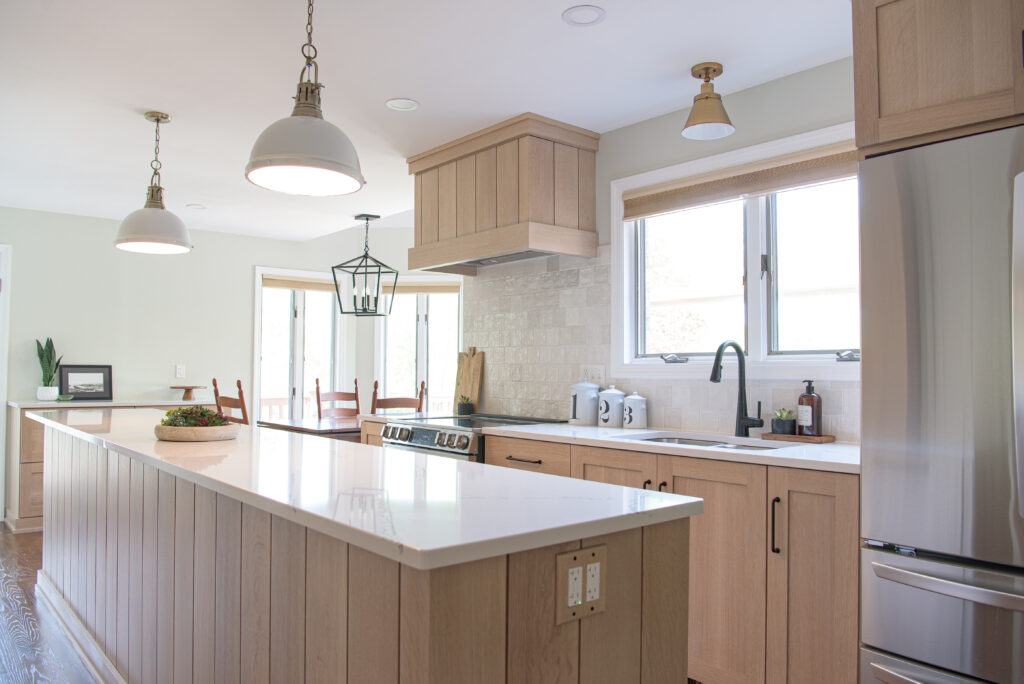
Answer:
(322, 397)
(225, 404)
(398, 402)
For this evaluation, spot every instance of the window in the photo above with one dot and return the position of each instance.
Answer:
(698, 286)
(299, 335)
(421, 344)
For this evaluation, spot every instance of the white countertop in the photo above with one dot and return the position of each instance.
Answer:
(108, 403)
(837, 458)
(422, 510)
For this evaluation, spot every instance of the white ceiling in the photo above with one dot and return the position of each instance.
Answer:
(76, 76)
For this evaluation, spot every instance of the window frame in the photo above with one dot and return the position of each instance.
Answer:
(626, 363)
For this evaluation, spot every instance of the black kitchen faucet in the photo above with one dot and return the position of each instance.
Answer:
(743, 421)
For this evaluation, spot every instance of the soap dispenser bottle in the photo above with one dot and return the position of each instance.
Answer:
(808, 412)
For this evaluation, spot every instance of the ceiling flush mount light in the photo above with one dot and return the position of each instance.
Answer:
(153, 229)
(402, 104)
(707, 120)
(303, 154)
(583, 15)
(359, 281)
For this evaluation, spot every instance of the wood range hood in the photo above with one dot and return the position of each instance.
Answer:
(519, 189)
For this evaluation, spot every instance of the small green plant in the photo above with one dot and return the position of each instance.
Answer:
(193, 416)
(463, 399)
(48, 361)
(783, 414)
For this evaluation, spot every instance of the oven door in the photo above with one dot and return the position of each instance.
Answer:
(478, 457)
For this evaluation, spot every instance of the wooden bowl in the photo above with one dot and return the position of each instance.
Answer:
(216, 433)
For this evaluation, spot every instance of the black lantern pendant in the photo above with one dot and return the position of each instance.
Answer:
(358, 281)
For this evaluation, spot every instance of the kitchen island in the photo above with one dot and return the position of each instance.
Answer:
(285, 557)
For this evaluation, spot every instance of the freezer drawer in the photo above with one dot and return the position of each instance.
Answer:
(878, 667)
(961, 618)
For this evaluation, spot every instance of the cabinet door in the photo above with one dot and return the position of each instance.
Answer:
(929, 65)
(627, 468)
(812, 578)
(528, 454)
(369, 433)
(727, 566)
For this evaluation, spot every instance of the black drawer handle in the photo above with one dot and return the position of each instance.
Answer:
(775, 549)
(662, 484)
(523, 460)
(647, 482)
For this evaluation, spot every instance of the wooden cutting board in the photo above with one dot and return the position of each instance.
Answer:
(470, 374)
(810, 439)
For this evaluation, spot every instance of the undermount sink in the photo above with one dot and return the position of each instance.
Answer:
(718, 444)
(683, 440)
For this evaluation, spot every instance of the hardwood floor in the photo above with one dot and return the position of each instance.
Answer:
(32, 646)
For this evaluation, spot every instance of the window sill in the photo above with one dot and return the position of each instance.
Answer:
(795, 368)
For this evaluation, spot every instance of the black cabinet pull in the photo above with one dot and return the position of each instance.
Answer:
(662, 484)
(523, 460)
(647, 482)
(775, 549)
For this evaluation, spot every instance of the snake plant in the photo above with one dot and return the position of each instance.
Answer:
(48, 362)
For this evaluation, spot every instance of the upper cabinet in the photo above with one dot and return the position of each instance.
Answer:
(521, 188)
(925, 66)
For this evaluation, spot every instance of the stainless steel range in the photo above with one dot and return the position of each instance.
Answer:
(456, 436)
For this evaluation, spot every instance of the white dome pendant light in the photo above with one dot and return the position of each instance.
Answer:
(707, 120)
(303, 154)
(153, 229)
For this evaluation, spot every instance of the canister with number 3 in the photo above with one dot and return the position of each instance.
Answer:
(634, 411)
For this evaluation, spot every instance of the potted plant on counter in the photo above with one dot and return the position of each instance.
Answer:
(48, 362)
(464, 407)
(783, 423)
(195, 424)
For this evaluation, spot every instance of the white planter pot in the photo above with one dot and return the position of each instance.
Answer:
(46, 393)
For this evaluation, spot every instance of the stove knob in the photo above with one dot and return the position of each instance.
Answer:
(386, 432)
(439, 441)
(463, 442)
(451, 439)
(405, 434)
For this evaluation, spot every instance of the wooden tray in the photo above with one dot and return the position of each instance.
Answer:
(818, 439)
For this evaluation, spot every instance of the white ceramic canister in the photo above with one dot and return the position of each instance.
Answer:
(634, 411)
(583, 403)
(609, 409)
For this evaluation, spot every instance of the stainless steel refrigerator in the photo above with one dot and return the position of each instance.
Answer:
(942, 469)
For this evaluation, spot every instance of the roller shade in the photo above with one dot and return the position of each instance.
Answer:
(772, 175)
(295, 283)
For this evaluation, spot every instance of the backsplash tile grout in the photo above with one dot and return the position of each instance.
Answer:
(540, 319)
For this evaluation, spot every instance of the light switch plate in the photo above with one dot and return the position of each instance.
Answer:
(179, 370)
(580, 583)
(594, 374)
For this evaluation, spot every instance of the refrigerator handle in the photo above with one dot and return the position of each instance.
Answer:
(960, 590)
(884, 674)
(1017, 333)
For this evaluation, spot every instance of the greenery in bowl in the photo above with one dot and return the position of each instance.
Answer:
(193, 416)
(48, 361)
(463, 399)
(783, 414)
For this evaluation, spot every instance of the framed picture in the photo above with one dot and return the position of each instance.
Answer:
(86, 382)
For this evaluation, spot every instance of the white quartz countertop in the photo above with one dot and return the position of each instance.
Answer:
(116, 403)
(423, 510)
(838, 458)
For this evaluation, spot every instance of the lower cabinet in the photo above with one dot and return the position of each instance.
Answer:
(369, 433)
(773, 567)
(528, 454)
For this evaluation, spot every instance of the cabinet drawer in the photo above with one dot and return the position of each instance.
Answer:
(369, 433)
(31, 495)
(31, 440)
(528, 454)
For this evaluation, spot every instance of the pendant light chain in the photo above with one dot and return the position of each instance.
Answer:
(155, 164)
(366, 238)
(308, 49)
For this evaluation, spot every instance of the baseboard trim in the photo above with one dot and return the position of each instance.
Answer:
(22, 525)
(92, 655)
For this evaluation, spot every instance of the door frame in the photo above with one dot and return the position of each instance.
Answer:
(5, 328)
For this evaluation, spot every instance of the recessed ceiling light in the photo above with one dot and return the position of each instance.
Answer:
(583, 15)
(195, 205)
(402, 104)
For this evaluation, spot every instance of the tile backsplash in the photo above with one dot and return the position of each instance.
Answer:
(539, 320)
